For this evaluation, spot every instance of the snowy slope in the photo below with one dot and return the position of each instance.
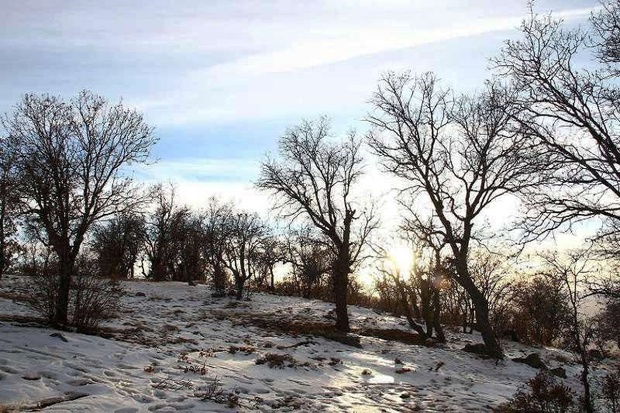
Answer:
(176, 344)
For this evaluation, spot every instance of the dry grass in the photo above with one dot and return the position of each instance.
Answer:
(23, 319)
(274, 360)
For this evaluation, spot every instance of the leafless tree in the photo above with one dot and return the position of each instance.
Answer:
(606, 24)
(311, 258)
(418, 288)
(459, 156)
(117, 244)
(70, 161)
(492, 274)
(539, 310)
(313, 181)
(272, 252)
(572, 269)
(573, 113)
(243, 247)
(164, 233)
(9, 201)
(216, 231)
(190, 265)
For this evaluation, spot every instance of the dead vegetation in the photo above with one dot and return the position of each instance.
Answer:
(274, 360)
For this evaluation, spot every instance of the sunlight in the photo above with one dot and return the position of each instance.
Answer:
(401, 258)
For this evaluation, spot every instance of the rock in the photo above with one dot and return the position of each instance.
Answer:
(60, 336)
(31, 376)
(532, 360)
(140, 294)
(559, 372)
(398, 361)
(475, 348)
(430, 342)
(511, 334)
(595, 354)
(405, 396)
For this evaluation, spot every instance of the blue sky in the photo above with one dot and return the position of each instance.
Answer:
(221, 80)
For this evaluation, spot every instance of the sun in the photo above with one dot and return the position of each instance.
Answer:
(401, 258)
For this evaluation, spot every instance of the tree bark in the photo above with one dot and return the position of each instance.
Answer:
(481, 308)
(437, 317)
(341, 284)
(239, 282)
(66, 268)
(587, 397)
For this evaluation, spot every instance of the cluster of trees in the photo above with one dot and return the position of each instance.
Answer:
(544, 130)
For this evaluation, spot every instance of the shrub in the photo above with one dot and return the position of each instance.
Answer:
(277, 360)
(41, 294)
(540, 311)
(542, 394)
(92, 299)
(610, 391)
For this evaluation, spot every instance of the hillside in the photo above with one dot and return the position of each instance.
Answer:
(174, 348)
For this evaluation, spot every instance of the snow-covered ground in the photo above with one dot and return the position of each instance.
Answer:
(177, 349)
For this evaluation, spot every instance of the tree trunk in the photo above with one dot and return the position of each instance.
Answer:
(239, 287)
(2, 254)
(587, 397)
(66, 268)
(272, 286)
(437, 316)
(341, 284)
(481, 308)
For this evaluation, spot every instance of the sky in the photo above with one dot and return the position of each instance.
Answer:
(220, 81)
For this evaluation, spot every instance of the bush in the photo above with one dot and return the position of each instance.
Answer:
(542, 394)
(608, 321)
(277, 360)
(92, 299)
(610, 391)
(41, 294)
(540, 312)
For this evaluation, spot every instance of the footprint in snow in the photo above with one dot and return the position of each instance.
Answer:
(8, 369)
(75, 367)
(142, 398)
(126, 366)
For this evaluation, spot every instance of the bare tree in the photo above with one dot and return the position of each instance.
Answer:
(313, 180)
(572, 269)
(164, 233)
(216, 231)
(418, 288)
(606, 24)
(573, 113)
(459, 156)
(272, 252)
(9, 201)
(70, 160)
(539, 310)
(311, 258)
(117, 243)
(190, 264)
(243, 247)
